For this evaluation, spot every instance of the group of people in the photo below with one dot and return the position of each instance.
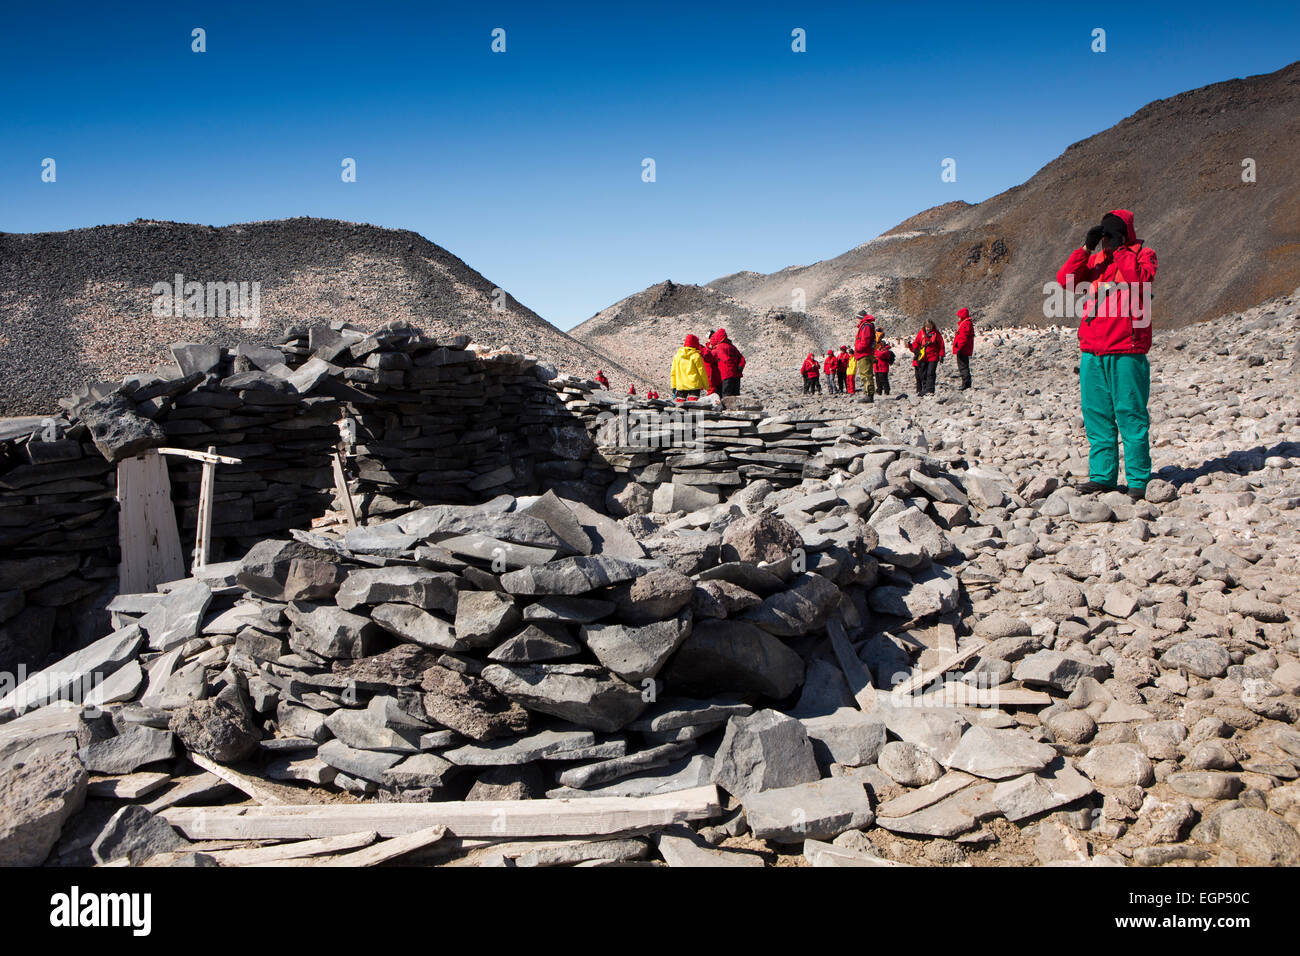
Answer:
(865, 369)
(1114, 338)
(716, 366)
(713, 368)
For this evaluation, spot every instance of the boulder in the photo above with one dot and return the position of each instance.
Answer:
(470, 705)
(536, 643)
(733, 656)
(35, 801)
(1259, 838)
(762, 751)
(135, 833)
(429, 590)
(846, 736)
(759, 538)
(572, 575)
(331, 632)
(118, 430)
(270, 566)
(216, 728)
(178, 617)
(817, 810)
(635, 653)
(129, 750)
(582, 694)
(482, 617)
(803, 608)
(1118, 765)
(1059, 671)
(908, 764)
(998, 754)
(409, 623)
(1201, 656)
(655, 596)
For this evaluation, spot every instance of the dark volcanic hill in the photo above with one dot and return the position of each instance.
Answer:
(1223, 244)
(77, 306)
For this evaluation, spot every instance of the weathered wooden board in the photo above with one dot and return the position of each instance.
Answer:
(146, 525)
(503, 819)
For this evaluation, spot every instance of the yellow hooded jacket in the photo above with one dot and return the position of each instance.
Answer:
(688, 371)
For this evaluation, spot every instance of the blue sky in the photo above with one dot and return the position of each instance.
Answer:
(528, 164)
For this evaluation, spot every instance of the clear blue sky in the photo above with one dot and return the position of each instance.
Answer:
(527, 164)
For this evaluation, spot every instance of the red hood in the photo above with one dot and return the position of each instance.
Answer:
(692, 342)
(1128, 222)
(718, 337)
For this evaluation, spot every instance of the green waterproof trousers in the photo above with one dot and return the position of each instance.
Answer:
(866, 382)
(1113, 390)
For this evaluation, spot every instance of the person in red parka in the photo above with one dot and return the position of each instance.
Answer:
(710, 363)
(864, 350)
(828, 366)
(1114, 338)
(631, 388)
(727, 361)
(928, 349)
(842, 367)
(963, 345)
(883, 359)
(601, 380)
(810, 371)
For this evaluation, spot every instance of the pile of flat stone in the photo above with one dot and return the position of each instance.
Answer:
(424, 421)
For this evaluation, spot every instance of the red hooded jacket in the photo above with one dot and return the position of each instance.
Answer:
(864, 345)
(884, 358)
(933, 343)
(1116, 317)
(810, 367)
(963, 342)
(831, 363)
(724, 356)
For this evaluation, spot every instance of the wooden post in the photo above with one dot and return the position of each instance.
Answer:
(207, 485)
(347, 439)
(341, 487)
(203, 534)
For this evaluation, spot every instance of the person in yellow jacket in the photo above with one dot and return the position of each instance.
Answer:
(853, 371)
(688, 376)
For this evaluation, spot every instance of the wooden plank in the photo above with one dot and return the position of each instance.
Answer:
(855, 672)
(241, 781)
(960, 694)
(146, 523)
(280, 853)
(341, 488)
(502, 819)
(189, 788)
(208, 457)
(956, 659)
(131, 786)
(385, 851)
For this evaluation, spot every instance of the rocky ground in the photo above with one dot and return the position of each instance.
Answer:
(930, 650)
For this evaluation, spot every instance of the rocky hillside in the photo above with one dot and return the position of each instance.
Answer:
(77, 307)
(1223, 245)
